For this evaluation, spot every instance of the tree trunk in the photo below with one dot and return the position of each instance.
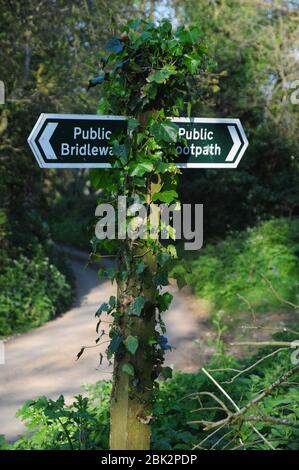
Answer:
(132, 397)
(131, 400)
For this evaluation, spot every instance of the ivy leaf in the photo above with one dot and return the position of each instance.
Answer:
(142, 168)
(100, 179)
(112, 301)
(192, 62)
(136, 307)
(163, 342)
(161, 278)
(161, 76)
(121, 64)
(163, 258)
(103, 308)
(128, 368)
(165, 131)
(101, 359)
(122, 152)
(165, 196)
(132, 344)
(172, 251)
(132, 124)
(101, 272)
(140, 267)
(95, 81)
(114, 345)
(134, 24)
(180, 279)
(171, 232)
(164, 301)
(166, 372)
(189, 36)
(145, 36)
(107, 307)
(80, 353)
(110, 272)
(114, 45)
(166, 26)
(103, 106)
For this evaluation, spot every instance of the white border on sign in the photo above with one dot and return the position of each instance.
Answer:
(40, 122)
(227, 121)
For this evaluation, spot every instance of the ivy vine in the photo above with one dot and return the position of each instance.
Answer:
(147, 74)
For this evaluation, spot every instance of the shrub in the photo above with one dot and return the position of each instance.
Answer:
(71, 221)
(240, 266)
(178, 411)
(52, 424)
(32, 291)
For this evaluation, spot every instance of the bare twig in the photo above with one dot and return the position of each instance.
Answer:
(272, 420)
(265, 328)
(263, 343)
(281, 299)
(253, 365)
(249, 305)
(207, 438)
(241, 411)
(236, 407)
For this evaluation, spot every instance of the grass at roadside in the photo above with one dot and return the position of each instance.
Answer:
(250, 270)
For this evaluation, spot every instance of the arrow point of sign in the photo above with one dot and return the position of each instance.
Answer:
(236, 146)
(44, 140)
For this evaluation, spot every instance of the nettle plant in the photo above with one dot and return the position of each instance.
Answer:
(148, 75)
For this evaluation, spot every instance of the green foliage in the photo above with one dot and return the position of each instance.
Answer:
(128, 369)
(239, 271)
(131, 343)
(70, 219)
(48, 76)
(32, 292)
(52, 424)
(136, 306)
(165, 196)
(165, 131)
(249, 40)
(180, 409)
(45, 60)
(178, 412)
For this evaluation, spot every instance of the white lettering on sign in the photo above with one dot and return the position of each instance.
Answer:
(198, 150)
(85, 150)
(100, 133)
(195, 134)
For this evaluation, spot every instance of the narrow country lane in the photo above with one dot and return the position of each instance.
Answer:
(43, 360)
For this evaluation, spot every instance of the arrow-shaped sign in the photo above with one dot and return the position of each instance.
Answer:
(78, 141)
(210, 142)
(75, 140)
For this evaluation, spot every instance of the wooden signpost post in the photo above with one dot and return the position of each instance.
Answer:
(146, 76)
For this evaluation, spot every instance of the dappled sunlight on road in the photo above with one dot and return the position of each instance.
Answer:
(43, 360)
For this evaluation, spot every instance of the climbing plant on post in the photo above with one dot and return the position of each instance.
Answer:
(147, 76)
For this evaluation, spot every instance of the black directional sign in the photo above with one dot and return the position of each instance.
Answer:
(210, 142)
(75, 140)
(78, 141)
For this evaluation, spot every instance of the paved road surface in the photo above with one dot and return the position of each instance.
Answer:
(43, 361)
